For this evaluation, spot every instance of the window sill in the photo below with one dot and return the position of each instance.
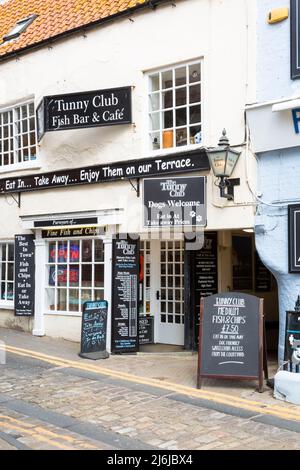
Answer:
(31, 165)
(63, 314)
(6, 306)
(174, 150)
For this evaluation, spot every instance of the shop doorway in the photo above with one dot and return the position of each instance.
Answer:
(162, 289)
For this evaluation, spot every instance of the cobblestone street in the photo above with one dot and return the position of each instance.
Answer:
(44, 405)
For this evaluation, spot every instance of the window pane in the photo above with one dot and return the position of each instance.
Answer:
(62, 275)
(167, 99)
(86, 275)
(181, 117)
(62, 251)
(3, 296)
(180, 96)
(195, 94)
(86, 254)
(10, 272)
(74, 251)
(195, 135)
(167, 79)
(10, 291)
(73, 275)
(86, 295)
(154, 82)
(180, 76)
(74, 300)
(11, 252)
(167, 119)
(181, 137)
(62, 299)
(154, 102)
(99, 294)
(99, 250)
(52, 252)
(155, 140)
(194, 73)
(195, 114)
(155, 121)
(99, 275)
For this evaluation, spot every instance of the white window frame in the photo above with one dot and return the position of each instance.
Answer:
(147, 129)
(55, 288)
(25, 164)
(4, 303)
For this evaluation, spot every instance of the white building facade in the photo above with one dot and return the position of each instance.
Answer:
(190, 69)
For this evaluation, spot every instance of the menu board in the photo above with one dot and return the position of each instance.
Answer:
(125, 301)
(146, 329)
(231, 337)
(263, 277)
(93, 330)
(24, 275)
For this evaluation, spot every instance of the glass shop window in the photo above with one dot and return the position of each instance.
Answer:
(242, 263)
(75, 274)
(174, 97)
(6, 272)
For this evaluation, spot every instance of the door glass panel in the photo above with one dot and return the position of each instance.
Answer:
(171, 305)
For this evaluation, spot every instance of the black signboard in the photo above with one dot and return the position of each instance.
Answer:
(125, 290)
(93, 330)
(294, 238)
(73, 232)
(86, 109)
(177, 202)
(64, 222)
(263, 277)
(146, 329)
(180, 163)
(295, 32)
(231, 337)
(206, 271)
(24, 275)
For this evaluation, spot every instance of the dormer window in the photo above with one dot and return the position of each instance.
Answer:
(19, 28)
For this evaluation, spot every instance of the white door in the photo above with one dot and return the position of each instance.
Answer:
(170, 313)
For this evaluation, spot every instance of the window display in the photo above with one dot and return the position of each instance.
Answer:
(75, 274)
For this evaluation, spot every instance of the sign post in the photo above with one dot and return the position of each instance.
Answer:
(24, 275)
(125, 289)
(231, 338)
(93, 330)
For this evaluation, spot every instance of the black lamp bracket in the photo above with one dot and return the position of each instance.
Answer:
(227, 185)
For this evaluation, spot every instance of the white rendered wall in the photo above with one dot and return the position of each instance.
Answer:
(222, 33)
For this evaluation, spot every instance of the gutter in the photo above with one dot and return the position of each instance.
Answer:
(150, 4)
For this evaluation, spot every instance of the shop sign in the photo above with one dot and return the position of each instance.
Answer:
(142, 168)
(175, 202)
(73, 232)
(86, 109)
(146, 329)
(231, 337)
(24, 275)
(125, 301)
(93, 330)
(294, 238)
(64, 222)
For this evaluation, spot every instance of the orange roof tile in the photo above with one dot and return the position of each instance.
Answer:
(55, 17)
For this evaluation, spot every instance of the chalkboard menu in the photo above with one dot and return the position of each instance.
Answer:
(146, 329)
(93, 330)
(294, 238)
(263, 277)
(24, 275)
(231, 337)
(125, 301)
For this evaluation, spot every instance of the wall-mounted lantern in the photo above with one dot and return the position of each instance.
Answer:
(222, 161)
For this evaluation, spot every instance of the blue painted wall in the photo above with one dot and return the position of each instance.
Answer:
(278, 171)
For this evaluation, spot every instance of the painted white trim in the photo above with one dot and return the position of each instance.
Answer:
(30, 165)
(286, 105)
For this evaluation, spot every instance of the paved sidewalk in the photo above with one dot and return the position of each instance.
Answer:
(178, 368)
(132, 402)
